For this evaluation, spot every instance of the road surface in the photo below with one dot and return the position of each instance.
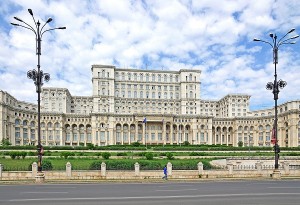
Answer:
(266, 192)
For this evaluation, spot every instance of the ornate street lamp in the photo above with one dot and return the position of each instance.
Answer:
(38, 76)
(276, 85)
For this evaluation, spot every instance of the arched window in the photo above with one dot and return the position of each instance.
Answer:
(17, 122)
(25, 122)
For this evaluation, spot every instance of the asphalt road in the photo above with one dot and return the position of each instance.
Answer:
(281, 192)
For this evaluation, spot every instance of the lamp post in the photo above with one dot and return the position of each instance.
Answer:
(276, 85)
(38, 76)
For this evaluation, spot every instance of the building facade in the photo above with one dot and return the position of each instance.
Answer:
(146, 106)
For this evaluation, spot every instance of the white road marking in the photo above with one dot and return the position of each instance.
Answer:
(157, 197)
(176, 190)
(43, 192)
(284, 187)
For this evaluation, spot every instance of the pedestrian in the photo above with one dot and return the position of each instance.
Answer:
(165, 173)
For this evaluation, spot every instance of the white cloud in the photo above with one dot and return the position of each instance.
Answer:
(211, 35)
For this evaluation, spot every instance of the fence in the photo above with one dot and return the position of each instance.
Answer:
(231, 171)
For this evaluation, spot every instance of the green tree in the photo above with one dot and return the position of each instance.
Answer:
(149, 155)
(5, 142)
(106, 155)
(170, 155)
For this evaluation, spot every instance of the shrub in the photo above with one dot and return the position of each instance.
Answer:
(150, 165)
(23, 154)
(186, 143)
(240, 144)
(119, 165)
(105, 155)
(121, 154)
(90, 145)
(96, 165)
(80, 154)
(13, 154)
(98, 154)
(47, 165)
(149, 155)
(170, 155)
(135, 144)
(140, 154)
(66, 154)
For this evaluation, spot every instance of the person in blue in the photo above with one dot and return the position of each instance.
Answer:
(165, 173)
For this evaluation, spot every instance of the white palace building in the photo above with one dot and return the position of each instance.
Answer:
(146, 106)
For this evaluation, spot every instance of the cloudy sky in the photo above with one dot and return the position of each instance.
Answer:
(215, 36)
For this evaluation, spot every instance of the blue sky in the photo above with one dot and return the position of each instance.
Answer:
(215, 36)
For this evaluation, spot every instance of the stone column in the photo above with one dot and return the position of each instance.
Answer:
(144, 134)
(103, 169)
(230, 168)
(34, 169)
(164, 132)
(171, 133)
(200, 168)
(137, 169)
(1, 171)
(286, 166)
(68, 169)
(258, 167)
(169, 168)
(136, 135)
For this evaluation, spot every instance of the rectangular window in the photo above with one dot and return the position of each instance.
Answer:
(81, 137)
(159, 136)
(125, 136)
(89, 137)
(75, 137)
(102, 136)
(152, 136)
(202, 137)
(32, 133)
(68, 137)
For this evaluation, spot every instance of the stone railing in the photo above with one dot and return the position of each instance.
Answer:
(231, 171)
